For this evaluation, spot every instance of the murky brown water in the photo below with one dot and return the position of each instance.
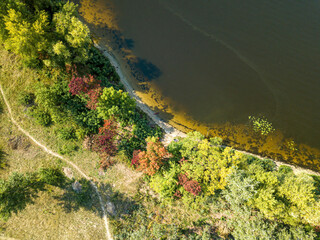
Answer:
(221, 61)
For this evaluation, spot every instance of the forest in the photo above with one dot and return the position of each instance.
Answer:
(68, 94)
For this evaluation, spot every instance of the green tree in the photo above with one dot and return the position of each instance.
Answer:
(116, 104)
(248, 223)
(27, 35)
(74, 36)
(285, 196)
(207, 163)
(20, 189)
(165, 182)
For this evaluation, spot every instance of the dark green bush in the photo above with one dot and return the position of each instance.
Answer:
(285, 169)
(64, 107)
(2, 158)
(100, 67)
(20, 189)
(68, 149)
(52, 176)
(67, 133)
(266, 164)
(41, 116)
(26, 98)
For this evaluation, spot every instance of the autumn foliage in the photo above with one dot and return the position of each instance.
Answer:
(189, 185)
(104, 143)
(87, 86)
(151, 160)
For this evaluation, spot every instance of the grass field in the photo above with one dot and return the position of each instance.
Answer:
(56, 213)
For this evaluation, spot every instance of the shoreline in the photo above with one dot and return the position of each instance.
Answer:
(171, 132)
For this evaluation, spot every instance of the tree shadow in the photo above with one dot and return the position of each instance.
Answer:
(122, 205)
(146, 69)
(117, 204)
(17, 192)
(86, 198)
(141, 69)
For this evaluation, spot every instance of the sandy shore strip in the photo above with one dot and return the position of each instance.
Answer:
(170, 132)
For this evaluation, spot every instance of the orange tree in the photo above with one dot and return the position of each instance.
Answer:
(151, 160)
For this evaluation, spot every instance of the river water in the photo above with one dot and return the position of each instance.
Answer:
(221, 61)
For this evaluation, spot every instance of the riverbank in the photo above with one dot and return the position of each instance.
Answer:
(170, 132)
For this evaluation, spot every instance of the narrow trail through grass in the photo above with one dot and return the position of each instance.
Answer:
(104, 216)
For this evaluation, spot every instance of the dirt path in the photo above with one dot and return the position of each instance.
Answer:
(104, 216)
(170, 132)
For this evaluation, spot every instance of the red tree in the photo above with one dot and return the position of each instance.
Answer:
(189, 185)
(77, 85)
(93, 95)
(88, 86)
(104, 143)
(192, 187)
(151, 160)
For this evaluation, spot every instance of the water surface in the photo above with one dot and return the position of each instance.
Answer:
(222, 61)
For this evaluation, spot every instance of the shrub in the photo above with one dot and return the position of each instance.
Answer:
(46, 97)
(93, 95)
(100, 66)
(189, 185)
(2, 158)
(26, 98)
(41, 116)
(151, 160)
(52, 176)
(267, 164)
(87, 86)
(104, 142)
(68, 149)
(81, 133)
(116, 104)
(78, 85)
(165, 182)
(285, 169)
(66, 133)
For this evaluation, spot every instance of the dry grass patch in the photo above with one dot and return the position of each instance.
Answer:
(48, 219)
(56, 213)
(123, 179)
